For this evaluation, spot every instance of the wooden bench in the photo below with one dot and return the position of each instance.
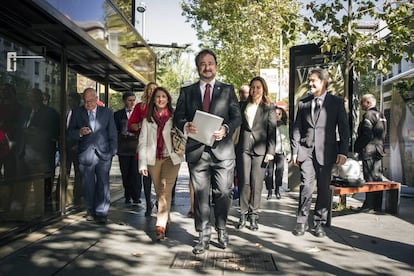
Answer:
(392, 200)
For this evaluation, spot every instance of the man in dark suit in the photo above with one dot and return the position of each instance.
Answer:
(315, 148)
(127, 148)
(370, 148)
(74, 101)
(210, 167)
(41, 136)
(94, 128)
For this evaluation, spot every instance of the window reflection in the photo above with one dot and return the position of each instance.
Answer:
(102, 22)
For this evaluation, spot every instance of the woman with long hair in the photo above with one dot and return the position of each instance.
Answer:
(255, 149)
(156, 155)
(134, 126)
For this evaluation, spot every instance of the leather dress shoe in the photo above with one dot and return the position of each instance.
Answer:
(101, 219)
(253, 224)
(223, 238)
(200, 247)
(203, 243)
(242, 222)
(319, 232)
(300, 229)
(89, 217)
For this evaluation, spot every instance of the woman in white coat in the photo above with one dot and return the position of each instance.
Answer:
(156, 155)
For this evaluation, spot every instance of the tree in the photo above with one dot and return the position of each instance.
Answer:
(243, 34)
(174, 70)
(334, 25)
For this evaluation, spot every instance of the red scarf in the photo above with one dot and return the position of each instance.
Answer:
(160, 120)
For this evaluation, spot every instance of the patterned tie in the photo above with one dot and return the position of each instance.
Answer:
(92, 120)
(316, 109)
(206, 99)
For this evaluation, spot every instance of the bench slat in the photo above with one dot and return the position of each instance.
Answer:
(392, 189)
(368, 187)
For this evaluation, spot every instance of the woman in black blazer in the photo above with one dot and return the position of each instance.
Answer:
(256, 147)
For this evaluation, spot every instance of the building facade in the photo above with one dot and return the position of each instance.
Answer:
(55, 47)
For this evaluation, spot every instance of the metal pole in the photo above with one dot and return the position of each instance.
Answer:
(280, 65)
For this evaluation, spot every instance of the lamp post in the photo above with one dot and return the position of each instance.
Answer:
(141, 8)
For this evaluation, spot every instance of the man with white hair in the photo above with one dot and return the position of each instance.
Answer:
(370, 148)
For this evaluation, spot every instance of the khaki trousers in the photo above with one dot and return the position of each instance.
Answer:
(163, 175)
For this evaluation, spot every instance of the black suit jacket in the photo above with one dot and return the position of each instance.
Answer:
(127, 142)
(321, 135)
(223, 103)
(102, 141)
(121, 120)
(260, 139)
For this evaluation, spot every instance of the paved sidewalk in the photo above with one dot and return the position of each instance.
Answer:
(356, 243)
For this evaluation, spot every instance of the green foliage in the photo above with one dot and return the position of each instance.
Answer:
(405, 85)
(115, 101)
(174, 69)
(334, 26)
(244, 34)
(125, 6)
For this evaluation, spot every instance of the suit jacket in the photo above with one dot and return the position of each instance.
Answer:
(223, 103)
(41, 135)
(321, 135)
(260, 139)
(127, 141)
(121, 120)
(102, 141)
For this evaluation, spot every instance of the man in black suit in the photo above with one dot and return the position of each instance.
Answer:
(210, 167)
(127, 147)
(315, 148)
(94, 128)
(74, 101)
(370, 148)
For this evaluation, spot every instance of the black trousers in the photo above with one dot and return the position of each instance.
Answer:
(309, 170)
(131, 179)
(276, 167)
(250, 172)
(212, 182)
(372, 172)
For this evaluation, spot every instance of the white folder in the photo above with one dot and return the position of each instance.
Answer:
(206, 124)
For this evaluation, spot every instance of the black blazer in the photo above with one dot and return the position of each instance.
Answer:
(321, 135)
(223, 103)
(121, 120)
(260, 139)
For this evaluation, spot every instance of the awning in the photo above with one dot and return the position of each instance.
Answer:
(41, 28)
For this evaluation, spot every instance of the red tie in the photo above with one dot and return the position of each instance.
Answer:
(206, 100)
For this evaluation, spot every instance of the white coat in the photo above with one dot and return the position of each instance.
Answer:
(147, 144)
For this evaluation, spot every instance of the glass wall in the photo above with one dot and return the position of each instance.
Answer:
(103, 23)
(29, 138)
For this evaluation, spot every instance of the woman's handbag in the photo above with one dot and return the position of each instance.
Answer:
(178, 140)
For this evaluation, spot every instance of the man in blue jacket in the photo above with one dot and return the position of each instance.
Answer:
(94, 128)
